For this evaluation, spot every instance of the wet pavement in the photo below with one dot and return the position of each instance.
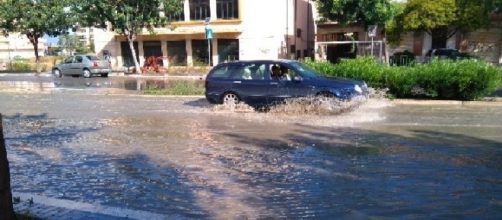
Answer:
(181, 157)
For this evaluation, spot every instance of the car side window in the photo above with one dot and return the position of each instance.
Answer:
(250, 71)
(221, 72)
(281, 72)
(68, 60)
(78, 59)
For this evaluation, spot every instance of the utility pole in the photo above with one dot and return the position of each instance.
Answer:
(209, 36)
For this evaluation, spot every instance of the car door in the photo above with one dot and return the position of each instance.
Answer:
(65, 66)
(77, 65)
(278, 87)
(250, 83)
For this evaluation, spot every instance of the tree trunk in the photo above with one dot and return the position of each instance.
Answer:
(130, 40)
(33, 37)
(6, 207)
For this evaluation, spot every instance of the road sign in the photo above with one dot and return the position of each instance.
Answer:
(372, 30)
(209, 32)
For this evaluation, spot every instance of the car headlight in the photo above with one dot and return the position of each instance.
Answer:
(358, 89)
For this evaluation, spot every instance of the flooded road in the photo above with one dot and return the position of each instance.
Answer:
(182, 156)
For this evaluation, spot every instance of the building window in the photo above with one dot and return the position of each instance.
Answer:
(199, 9)
(127, 58)
(200, 53)
(177, 53)
(180, 16)
(228, 50)
(227, 9)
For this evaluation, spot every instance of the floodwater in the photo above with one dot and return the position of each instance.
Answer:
(185, 157)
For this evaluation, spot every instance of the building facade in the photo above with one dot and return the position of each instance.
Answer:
(17, 45)
(242, 30)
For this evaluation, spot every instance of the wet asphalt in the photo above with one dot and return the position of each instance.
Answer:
(97, 141)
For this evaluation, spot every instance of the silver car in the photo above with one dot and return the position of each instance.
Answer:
(84, 65)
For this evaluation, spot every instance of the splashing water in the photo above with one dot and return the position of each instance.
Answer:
(320, 111)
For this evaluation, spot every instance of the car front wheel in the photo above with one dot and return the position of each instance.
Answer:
(87, 73)
(57, 73)
(230, 99)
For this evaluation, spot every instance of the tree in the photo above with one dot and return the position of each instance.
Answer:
(363, 12)
(35, 18)
(127, 17)
(71, 43)
(444, 18)
(68, 43)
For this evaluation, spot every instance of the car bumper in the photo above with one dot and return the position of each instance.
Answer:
(98, 71)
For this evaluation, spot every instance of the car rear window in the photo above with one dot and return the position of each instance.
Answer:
(92, 57)
(221, 72)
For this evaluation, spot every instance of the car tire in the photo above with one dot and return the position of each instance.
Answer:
(57, 73)
(230, 98)
(104, 75)
(87, 73)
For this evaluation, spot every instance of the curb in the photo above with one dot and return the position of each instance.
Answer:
(489, 101)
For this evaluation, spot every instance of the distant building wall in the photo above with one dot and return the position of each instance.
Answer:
(17, 45)
(262, 29)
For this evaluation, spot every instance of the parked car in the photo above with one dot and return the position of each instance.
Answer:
(446, 53)
(84, 65)
(260, 83)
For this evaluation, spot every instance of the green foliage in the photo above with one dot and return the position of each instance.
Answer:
(365, 12)
(72, 44)
(35, 18)
(127, 17)
(180, 87)
(440, 79)
(448, 16)
(19, 66)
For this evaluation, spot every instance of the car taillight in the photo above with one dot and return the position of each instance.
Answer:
(95, 64)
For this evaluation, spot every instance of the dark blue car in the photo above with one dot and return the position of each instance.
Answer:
(267, 82)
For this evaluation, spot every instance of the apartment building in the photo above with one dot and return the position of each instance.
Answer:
(242, 30)
(85, 35)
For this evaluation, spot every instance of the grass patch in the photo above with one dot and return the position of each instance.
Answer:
(177, 87)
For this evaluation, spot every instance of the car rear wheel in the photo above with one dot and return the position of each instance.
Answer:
(87, 73)
(230, 99)
(57, 73)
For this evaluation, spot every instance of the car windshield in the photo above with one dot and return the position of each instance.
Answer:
(304, 70)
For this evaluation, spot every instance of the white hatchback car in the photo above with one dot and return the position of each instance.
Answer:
(84, 65)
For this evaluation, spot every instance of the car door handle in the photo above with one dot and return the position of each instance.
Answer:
(274, 83)
(237, 82)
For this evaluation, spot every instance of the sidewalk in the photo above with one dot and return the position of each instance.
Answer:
(39, 207)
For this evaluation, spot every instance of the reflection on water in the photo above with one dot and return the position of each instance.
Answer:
(50, 84)
(25, 86)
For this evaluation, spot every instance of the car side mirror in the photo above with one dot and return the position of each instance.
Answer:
(298, 78)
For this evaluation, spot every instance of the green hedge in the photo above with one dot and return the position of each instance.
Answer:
(19, 65)
(439, 79)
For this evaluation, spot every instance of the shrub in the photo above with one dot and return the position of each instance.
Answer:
(439, 79)
(179, 87)
(19, 65)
